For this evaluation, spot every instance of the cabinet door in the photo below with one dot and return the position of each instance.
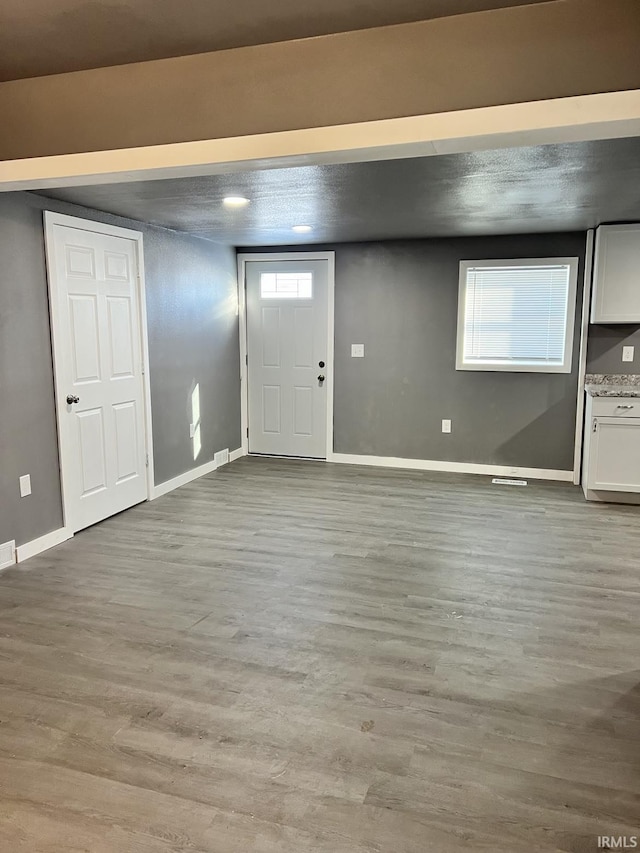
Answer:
(616, 288)
(614, 455)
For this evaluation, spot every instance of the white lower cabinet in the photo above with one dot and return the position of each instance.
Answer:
(612, 448)
(614, 458)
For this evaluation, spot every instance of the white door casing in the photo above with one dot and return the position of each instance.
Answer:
(99, 346)
(289, 335)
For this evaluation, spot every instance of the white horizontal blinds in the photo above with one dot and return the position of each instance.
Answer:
(286, 285)
(516, 314)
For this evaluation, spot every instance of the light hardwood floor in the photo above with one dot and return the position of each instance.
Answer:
(287, 657)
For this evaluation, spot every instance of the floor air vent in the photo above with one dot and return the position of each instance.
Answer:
(503, 481)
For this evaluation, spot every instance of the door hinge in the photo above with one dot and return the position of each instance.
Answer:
(595, 426)
(247, 432)
(146, 462)
(246, 359)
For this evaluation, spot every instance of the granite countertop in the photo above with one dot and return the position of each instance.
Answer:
(622, 391)
(612, 385)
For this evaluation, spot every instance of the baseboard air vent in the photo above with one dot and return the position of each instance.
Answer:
(7, 554)
(221, 457)
(503, 481)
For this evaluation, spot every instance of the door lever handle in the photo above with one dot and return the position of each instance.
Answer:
(71, 398)
(321, 377)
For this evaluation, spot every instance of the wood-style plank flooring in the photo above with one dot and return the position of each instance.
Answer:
(287, 657)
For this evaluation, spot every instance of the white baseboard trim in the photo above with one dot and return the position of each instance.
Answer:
(189, 476)
(43, 543)
(453, 467)
(183, 479)
(49, 540)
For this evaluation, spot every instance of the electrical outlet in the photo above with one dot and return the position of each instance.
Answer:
(357, 350)
(446, 425)
(25, 485)
(192, 430)
(627, 353)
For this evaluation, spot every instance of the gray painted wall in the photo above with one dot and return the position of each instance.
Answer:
(28, 435)
(193, 338)
(192, 299)
(604, 349)
(400, 300)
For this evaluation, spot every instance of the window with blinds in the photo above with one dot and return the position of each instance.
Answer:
(517, 315)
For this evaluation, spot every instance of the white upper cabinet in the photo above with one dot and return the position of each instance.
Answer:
(616, 283)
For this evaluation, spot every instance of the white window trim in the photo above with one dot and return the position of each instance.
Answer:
(519, 367)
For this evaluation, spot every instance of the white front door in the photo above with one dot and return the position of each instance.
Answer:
(288, 352)
(96, 330)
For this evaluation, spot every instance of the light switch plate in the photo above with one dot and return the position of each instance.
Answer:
(627, 353)
(446, 425)
(25, 485)
(357, 350)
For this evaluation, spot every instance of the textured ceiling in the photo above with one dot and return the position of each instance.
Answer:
(39, 37)
(518, 190)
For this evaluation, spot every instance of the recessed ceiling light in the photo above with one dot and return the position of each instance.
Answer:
(301, 229)
(235, 201)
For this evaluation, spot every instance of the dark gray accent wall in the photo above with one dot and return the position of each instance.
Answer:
(193, 339)
(400, 300)
(604, 349)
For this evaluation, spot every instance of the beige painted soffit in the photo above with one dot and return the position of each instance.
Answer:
(585, 117)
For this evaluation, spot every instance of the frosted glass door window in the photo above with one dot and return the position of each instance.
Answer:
(286, 285)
